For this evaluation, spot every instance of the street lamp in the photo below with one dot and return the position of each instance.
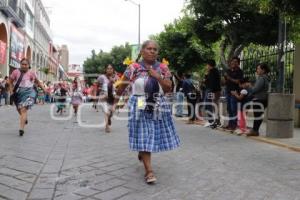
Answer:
(139, 25)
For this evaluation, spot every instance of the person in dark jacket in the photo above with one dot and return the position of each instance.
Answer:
(260, 97)
(190, 92)
(232, 77)
(212, 93)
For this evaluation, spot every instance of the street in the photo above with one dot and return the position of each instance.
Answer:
(58, 159)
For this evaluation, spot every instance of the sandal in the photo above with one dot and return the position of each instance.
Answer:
(107, 129)
(150, 178)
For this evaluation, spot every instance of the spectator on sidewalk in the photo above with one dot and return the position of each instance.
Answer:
(232, 77)
(243, 97)
(190, 92)
(6, 90)
(151, 127)
(260, 96)
(212, 94)
(21, 83)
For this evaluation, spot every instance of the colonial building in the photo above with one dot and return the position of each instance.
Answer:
(25, 32)
(12, 22)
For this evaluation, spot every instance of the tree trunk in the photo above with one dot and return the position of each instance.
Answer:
(235, 50)
(223, 47)
(238, 50)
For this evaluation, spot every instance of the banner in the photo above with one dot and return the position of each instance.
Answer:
(134, 51)
(16, 47)
(2, 52)
(75, 70)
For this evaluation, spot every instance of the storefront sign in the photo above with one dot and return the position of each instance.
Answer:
(16, 47)
(2, 52)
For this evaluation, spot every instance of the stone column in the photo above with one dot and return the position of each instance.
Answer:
(280, 115)
(296, 86)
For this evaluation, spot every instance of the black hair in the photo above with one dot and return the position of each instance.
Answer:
(27, 60)
(188, 75)
(211, 62)
(180, 74)
(236, 58)
(108, 66)
(264, 67)
(105, 68)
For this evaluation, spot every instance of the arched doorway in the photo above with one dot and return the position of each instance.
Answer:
(28, 53)
(3, 49)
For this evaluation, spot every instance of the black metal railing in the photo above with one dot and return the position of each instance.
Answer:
(257, 54)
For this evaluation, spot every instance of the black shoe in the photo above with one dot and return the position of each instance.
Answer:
(213, 126)
(21, 132)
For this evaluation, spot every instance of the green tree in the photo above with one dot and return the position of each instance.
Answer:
(178, 44)
(119, 53)
(236, 23)
(96, 64)
(289, 11)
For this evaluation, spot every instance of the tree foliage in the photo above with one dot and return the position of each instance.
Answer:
(98, 61)
(237, 23)
(290, 13)
(181, 47)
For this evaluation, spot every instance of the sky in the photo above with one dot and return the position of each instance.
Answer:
(85, 25)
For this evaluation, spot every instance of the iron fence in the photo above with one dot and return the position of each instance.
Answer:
(253, 55)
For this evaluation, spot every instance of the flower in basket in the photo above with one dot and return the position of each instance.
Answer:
(127, 61)
(164, 61)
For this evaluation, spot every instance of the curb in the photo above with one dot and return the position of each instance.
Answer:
(264, 140)
(276, 143)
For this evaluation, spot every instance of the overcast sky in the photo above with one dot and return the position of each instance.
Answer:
(100, 24)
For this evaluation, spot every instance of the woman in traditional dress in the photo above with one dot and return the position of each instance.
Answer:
(150, 123)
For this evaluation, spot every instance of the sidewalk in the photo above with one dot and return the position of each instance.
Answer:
(289, 143)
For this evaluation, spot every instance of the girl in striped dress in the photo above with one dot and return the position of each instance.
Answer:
(150, 124)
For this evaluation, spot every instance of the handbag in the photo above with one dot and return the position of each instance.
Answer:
(13, 96)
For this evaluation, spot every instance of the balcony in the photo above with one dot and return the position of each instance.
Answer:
(11, 10)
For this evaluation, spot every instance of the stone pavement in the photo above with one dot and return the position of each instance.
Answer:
(62, 160)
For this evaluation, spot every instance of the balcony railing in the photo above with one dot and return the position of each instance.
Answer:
(10, 9)
(13, 4)
(22, 15)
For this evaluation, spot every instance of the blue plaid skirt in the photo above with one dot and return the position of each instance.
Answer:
(151, 132)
